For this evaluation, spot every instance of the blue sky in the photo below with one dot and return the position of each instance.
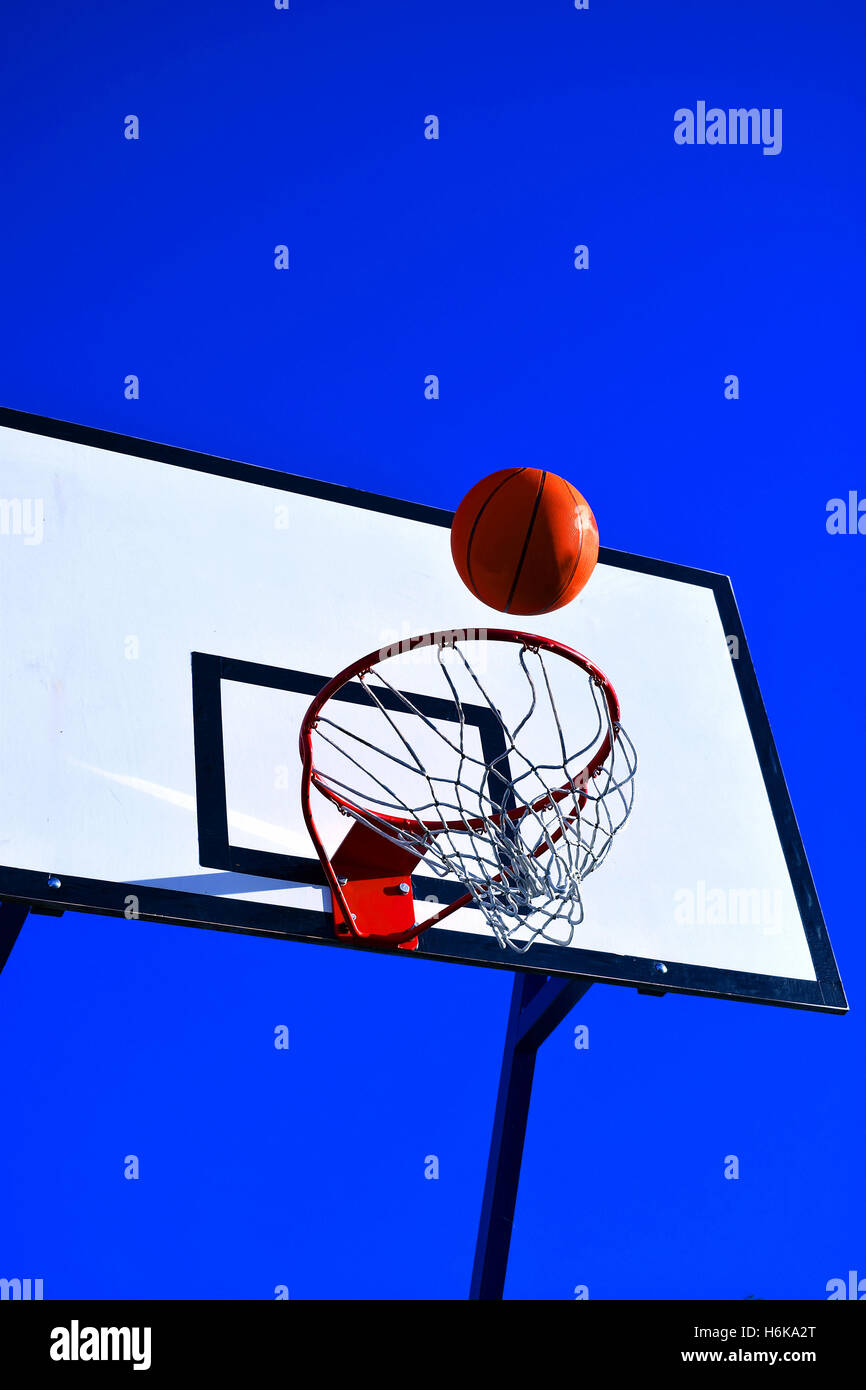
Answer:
(410, 256)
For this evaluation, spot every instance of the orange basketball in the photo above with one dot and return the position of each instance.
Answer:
(524, 541)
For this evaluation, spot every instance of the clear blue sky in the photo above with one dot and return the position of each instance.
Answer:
(258, 127)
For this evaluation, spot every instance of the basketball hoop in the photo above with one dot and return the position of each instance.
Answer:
(492, 792)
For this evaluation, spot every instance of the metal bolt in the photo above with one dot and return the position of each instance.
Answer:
(53, 881)
(404, 888)
(660, 968)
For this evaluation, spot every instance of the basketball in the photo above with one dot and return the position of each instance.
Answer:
(524, 541)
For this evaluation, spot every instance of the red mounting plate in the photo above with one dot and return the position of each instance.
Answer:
(375, 877)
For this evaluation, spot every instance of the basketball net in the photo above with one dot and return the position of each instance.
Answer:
(520, 828)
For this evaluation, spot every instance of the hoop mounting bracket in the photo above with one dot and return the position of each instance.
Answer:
(375, 877)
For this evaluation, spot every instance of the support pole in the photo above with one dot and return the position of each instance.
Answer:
(12, 919)
(538, 1005)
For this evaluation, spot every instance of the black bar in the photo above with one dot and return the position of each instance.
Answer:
(204, 1342)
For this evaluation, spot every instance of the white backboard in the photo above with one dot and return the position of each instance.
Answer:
(166, 619)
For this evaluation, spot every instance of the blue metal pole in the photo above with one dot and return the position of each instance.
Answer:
(537, 1006)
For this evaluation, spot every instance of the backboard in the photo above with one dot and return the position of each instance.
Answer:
(167, 618)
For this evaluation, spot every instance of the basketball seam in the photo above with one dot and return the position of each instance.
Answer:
(526, 540)
(479, 515)
(564, 586)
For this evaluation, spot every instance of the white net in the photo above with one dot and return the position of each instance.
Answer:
(494, 794)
